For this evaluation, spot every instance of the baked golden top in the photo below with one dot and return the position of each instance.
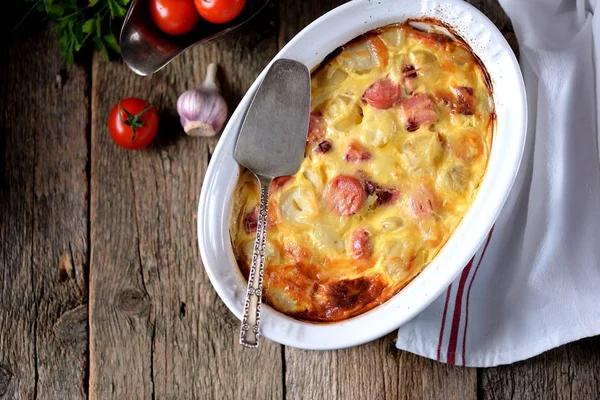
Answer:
(400, 133)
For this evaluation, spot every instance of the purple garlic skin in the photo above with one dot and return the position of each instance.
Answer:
(203, 111)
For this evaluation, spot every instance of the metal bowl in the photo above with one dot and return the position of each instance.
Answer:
(146, 49)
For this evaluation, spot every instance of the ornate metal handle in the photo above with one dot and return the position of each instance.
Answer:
(250, 331)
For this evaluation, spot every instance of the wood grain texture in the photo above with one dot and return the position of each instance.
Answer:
(43, 222)
(376, 370)
(568, 372)
(158, 329)
(296, 15)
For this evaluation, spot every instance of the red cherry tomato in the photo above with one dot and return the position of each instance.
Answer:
(175, 17)
(133, 123)
(220, 11)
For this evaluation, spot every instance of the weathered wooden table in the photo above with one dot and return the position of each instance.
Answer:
(102, 291)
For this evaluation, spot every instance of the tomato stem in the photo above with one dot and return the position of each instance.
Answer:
(134, 121)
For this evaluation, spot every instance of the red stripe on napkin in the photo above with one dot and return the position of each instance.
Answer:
(457, 309)
(439, 350)
(464, 344)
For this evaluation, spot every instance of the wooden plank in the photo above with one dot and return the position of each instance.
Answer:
(374, 371)
(43, 223)
(158, 330)
(295, 15)
(568, 372)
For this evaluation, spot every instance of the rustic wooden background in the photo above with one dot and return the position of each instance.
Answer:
(102, 291)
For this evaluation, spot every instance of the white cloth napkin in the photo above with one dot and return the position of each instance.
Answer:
(535, 283)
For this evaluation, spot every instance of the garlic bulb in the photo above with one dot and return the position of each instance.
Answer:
(203, 111)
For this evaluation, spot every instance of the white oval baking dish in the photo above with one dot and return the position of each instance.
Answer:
(310, 47)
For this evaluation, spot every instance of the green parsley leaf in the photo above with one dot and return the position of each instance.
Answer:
(100, 46)
(90, 25)
(116, 8)
(111, 41)
(83, 24)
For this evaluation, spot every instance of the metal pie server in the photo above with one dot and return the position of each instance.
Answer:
(271, 143)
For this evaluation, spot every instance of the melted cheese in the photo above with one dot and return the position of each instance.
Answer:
(318, 266)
